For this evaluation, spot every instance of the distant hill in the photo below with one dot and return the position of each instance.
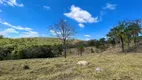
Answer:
(33, 41)
(30, 41)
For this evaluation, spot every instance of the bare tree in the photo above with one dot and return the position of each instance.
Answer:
(63, 31)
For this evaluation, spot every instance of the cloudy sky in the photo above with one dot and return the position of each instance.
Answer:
(91, 18)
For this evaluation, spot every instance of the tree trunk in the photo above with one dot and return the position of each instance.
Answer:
(78, 53)
(128, 44)
(70, 51)
(64, 45)
(65, 52)
(81, 53)
(135, 43)
(122, 44)
(135, 40)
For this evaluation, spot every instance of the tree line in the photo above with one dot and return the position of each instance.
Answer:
(126, 33)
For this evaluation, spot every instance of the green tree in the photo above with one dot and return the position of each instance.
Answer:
(135, 28)
(128, 34)
(102, 41)
(80, 49)
(118, 33)
(1, 36)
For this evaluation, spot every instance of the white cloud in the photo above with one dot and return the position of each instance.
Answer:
(0, 10)
(58, 32)
(7, 31)
(87, 39)
(46, 7)
(43, 35)
(1, 2)
(22, 28)
(81, 25)
(11, 30)
(11, 3)
(80, 15)
(29, 34)
(26, 31)
(101, 15)
(87, 35)
(110, 6)
(54, 33)
(15, 27)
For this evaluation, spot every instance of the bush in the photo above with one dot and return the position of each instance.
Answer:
(91, 42)
(17, 54)
(57, 50)
(1, 36)
(92, 51)
(80, 49)
(5, 51)
(26, 67)
(42, 51)
(34, 51)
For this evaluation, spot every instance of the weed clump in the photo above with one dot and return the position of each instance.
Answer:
(25, 67)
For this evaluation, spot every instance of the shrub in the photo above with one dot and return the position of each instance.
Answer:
(26, 67)
(1, 36)
(80, 49)
(5, 52)
(91, 42)
(43, 51)
(92, 51)
(57, 50)
(34, 51)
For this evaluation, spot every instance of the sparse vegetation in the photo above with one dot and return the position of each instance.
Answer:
(114, 67)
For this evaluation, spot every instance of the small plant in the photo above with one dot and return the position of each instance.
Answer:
(80, 49)
(92, 51)
(26, 67)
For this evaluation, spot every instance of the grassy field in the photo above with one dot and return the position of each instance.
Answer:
(113, 67)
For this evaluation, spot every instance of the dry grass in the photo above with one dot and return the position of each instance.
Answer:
(114, 67)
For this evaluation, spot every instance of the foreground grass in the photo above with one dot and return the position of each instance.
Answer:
(114, 67)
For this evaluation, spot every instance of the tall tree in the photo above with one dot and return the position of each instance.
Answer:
(125, 31)
(118, 33)
(128, 34)
(121, 34)
(135, 27)
(63, 31)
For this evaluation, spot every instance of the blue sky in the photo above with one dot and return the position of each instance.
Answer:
(91, 18)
